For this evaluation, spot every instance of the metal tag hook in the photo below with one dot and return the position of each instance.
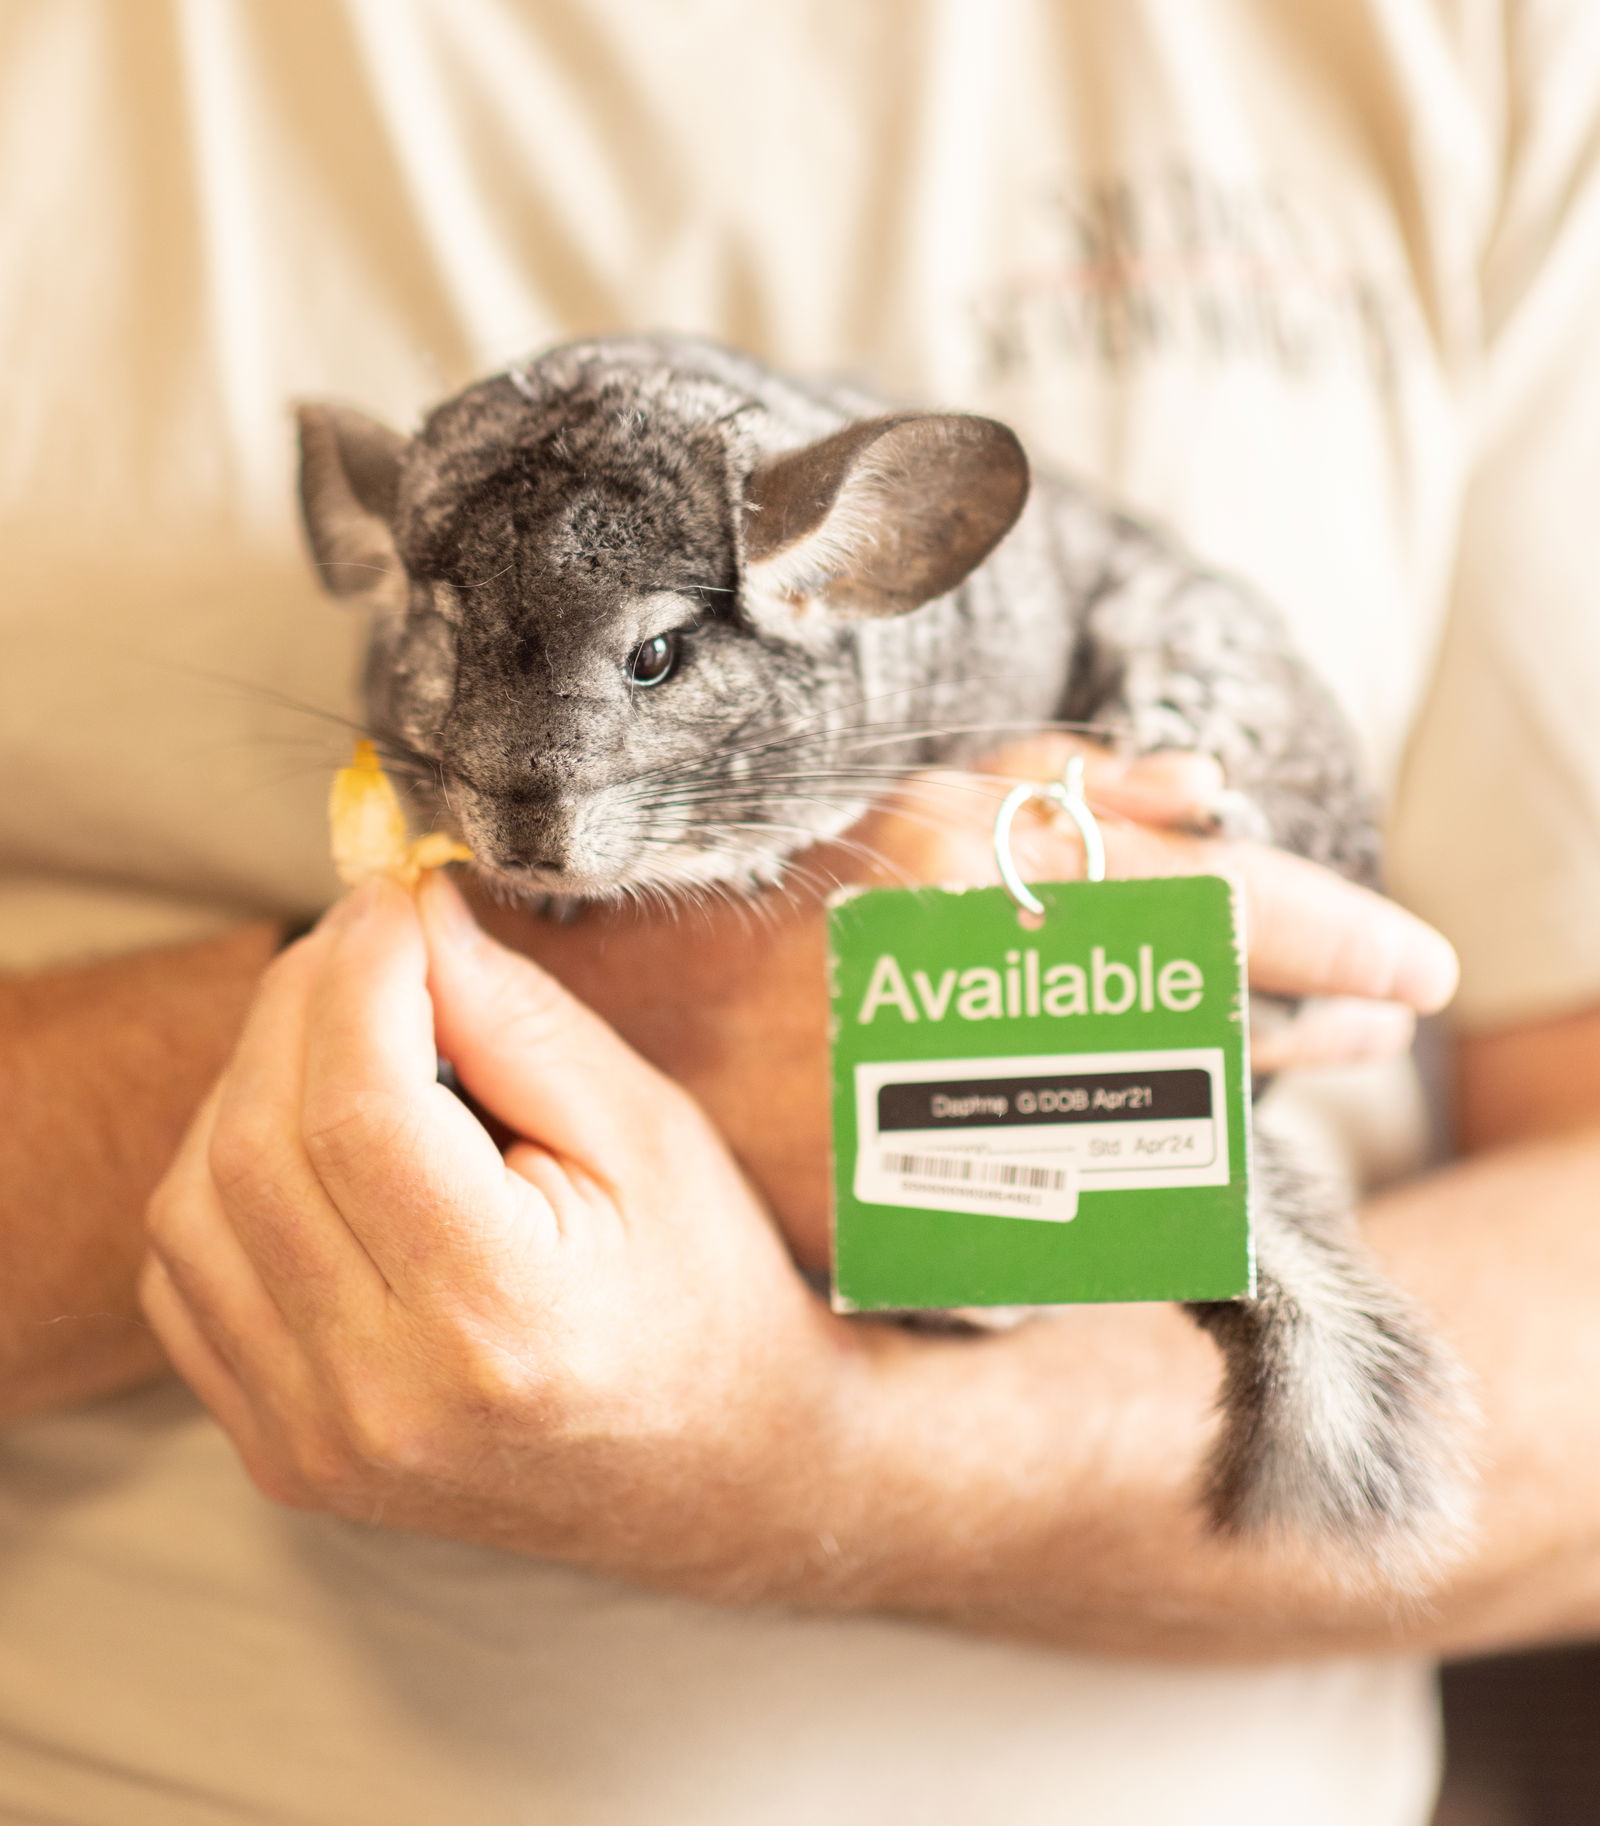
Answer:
(1065, 795)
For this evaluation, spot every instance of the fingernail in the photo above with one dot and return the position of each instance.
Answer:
(1196, 777)
(1431, 973)
(1332, 1030)
(1107, 764)
(448, 917)
(350, 910)
(1163, 787)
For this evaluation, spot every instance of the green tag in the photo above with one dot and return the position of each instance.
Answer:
(1023, 1117)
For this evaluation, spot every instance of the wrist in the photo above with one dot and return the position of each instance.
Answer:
(962, 1471)
(776, 1505)
(858, 1495)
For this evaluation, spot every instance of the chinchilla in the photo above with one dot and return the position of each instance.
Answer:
(649, 618)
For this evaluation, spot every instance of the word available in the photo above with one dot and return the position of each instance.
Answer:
(982, 993)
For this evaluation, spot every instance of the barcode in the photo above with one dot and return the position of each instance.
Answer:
(968, 1170)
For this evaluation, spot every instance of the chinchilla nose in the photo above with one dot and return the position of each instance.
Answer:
(537, 834)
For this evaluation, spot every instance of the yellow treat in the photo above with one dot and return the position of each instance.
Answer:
(369, 829)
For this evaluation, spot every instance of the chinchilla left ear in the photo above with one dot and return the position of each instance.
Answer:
(349, 479)
(886, 514)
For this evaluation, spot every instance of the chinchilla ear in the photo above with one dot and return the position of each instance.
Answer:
(349, 477)
(886, 514)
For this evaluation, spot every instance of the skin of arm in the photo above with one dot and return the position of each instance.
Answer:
(101, 1069)
(594, 1348)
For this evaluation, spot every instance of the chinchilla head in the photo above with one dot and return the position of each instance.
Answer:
(631, 602)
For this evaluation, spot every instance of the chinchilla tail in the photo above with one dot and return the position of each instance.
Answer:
(1342, 1422)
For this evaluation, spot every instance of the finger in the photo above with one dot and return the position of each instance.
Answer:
(380, 1013)
(199, 1253)
(1311, 932)
(1163, 788)
(1331, 1030)
(311, 1264)
(1168, 791)
(207, 1373)
(1168, 786)
(404, 1163)
(528, 1051)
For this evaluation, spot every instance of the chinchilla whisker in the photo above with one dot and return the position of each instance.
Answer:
(756, 795)
(400, 769)
(268, 782)
(817, 882)
(670, 892)
(878, 775)
(876, 859)
(761, 807)
(311, 744)
(397, 756)
(929, 793)
(868, 852)
(716, 825)
(877, 738)
(267, 694)
(926, 820)
(837, 716)
(828, 727)
(764, 789)
(762, 803)
(754, 900)
(689, 893)
(510, 564)
(350, 564)
(876, 779)
(822, 729)
(911, 815)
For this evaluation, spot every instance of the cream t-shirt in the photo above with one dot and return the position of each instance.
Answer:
(1314, 284)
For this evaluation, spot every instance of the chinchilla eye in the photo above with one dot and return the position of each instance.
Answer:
(653, 660)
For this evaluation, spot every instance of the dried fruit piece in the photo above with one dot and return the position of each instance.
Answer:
(369, 829)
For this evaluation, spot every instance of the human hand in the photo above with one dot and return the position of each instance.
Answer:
(1366, 965)
(731, 1003)
(593, 1347)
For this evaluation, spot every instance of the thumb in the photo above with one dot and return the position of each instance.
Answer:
(529, 1052)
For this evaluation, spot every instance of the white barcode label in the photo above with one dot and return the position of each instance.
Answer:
(1020, 1137)
(988, 1184)
(967, 1169)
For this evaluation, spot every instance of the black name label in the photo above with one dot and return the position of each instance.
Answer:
(982, 1103)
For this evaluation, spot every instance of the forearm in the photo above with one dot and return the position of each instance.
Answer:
(101, 1069)
(1044, 1483)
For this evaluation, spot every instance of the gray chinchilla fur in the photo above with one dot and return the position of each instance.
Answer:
(649, 618)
